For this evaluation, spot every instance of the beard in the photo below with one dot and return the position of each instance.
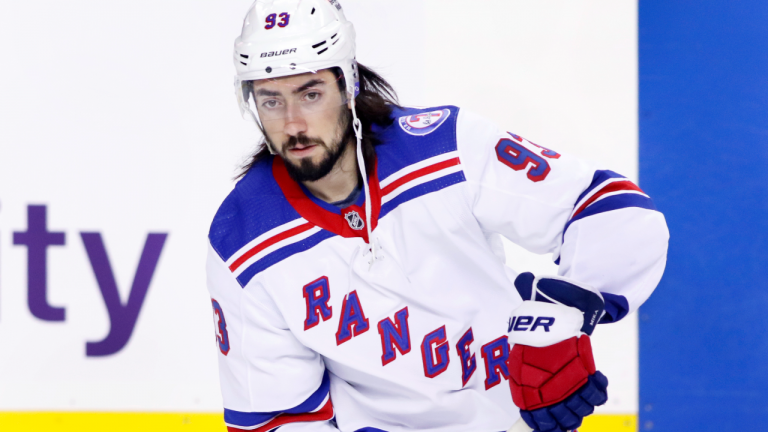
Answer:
(309, 171)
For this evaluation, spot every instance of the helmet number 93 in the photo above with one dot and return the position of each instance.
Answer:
(272, 20)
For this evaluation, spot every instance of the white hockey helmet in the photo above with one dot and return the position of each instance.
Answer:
(281, 38)
(290, 37)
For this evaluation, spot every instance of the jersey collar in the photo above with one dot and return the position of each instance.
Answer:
(345, 222)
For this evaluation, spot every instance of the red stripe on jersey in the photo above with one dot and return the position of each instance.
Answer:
(269, 242)
(419, 173)
(624, 185)
(324, 414)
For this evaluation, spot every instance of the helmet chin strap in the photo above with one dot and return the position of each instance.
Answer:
(358, 128)
(263, 132)
(255, 117)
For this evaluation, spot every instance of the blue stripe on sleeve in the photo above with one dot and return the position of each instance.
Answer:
(614, 202)
(597, 180)
(250, 419)
(616, 308)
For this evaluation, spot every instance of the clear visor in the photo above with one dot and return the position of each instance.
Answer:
(275, 102)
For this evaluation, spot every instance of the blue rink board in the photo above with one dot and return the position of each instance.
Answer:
(704, 160)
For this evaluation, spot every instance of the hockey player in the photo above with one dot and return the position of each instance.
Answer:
(355, 274)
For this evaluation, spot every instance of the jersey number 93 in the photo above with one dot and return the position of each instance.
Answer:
(222, 337)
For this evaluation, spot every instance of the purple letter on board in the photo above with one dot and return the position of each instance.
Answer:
(122, 317)
(37, 238)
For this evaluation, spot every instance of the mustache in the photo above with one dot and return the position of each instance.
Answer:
(293, 141)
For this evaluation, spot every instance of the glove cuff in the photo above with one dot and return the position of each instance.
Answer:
(562, 291)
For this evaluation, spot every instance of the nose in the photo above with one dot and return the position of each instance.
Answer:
(295, 123)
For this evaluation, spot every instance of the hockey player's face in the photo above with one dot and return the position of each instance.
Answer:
(304, 117)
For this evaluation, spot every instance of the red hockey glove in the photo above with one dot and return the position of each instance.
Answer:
(545, 376)
(553, 377)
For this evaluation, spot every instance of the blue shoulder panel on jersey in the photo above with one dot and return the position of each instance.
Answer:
(255, 206)
(400, 149)
(414, 137)
(251, 419)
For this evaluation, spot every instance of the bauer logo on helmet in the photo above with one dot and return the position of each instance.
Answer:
(278, 53)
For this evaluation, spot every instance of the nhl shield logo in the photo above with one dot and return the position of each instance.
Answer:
(423, 123)
(354, 220)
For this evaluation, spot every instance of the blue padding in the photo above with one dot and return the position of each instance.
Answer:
(565, 293)
(573, 295)
(250, 419)
(616, 308)
(524, 284)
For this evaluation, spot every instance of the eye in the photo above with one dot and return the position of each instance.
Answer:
(312, 96)
(270, 104)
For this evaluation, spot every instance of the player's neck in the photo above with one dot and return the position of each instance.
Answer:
(338, 184)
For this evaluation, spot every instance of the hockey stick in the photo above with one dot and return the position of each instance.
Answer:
(520, 426)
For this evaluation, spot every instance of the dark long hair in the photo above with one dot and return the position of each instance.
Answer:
(373, 105)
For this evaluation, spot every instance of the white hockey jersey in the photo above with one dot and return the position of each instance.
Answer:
(313, 337)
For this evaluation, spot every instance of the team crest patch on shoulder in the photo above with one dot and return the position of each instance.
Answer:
(354, 220)
(424, 123)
